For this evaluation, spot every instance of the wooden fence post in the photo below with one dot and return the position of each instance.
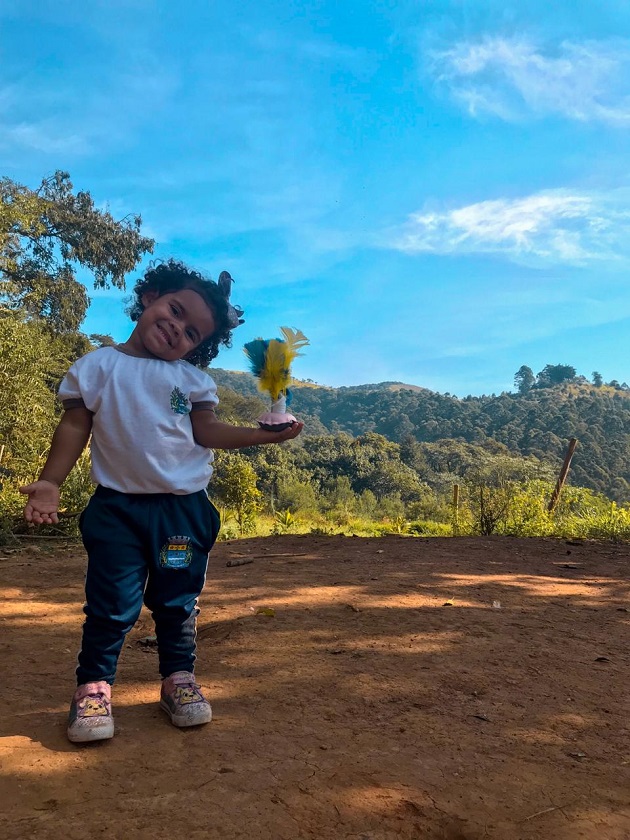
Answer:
(563, 474)
(455, 509)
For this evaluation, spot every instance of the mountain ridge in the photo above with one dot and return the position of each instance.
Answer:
(539, 422)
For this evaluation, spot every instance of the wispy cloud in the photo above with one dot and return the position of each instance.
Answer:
(315, 49)
(66, 115)
(512, 78)
(555, 226)
(45, 136)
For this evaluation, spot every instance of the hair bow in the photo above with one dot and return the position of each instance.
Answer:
(225, 287)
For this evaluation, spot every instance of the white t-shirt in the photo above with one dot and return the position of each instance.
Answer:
(142, 438)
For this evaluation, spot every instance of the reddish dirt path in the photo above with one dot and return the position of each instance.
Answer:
(364, 708)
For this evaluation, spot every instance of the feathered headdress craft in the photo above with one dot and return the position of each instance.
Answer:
(270, 362)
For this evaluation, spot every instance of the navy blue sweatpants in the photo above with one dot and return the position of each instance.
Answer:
(143, 547)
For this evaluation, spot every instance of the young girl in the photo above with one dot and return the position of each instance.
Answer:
(149, 526)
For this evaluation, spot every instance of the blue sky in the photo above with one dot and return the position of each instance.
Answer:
(433, 192)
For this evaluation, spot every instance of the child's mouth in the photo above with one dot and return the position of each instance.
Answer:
(165, 335)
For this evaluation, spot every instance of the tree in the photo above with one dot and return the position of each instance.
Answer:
(524, 379)
(46, 234)
(552, 375)
(102, 340)
(296, 495)
(340, 499)
(29, 362)
(598, 379)
(492, 489)
(234, 487)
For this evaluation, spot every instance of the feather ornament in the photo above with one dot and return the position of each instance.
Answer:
(256, 351)
(276, 373)
(270, 362)
(295, 340)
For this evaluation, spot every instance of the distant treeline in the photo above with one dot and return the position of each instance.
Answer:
(535, 421)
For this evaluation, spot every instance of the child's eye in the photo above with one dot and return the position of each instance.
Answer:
(191, 335)
(174, 309)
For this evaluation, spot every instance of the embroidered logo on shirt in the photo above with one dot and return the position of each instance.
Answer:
(179, 402)
(176, 553)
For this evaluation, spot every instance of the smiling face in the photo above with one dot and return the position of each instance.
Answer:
(171, 325)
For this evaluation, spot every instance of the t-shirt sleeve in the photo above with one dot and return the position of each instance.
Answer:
(203, 394)
(70, 390)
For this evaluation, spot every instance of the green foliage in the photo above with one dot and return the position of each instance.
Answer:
(280, 474)
(367, 505)
(31, 364)
(45, 234)
(101, 340)
(76, 491)
(614, 524)
(430, 529)
(524, 379)
(582, 513)
(295, 495)
(234, 487)
(369, 462)
(492, 491)
(552, 375)
(450, 434)
(241, 409)
(339, 496)
(284, 522)
(392, 507)
(400, 525)
(227, 524)
(11, 507)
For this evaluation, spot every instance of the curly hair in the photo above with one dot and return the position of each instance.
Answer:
(174, 276)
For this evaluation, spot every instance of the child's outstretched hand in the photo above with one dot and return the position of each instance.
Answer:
(289, 433)
(43, 503)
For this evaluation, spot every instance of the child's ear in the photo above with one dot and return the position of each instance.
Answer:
(149, 297)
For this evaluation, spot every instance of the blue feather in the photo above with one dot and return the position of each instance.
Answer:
(256, 352)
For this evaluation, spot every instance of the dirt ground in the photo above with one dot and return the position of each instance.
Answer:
(414, 688)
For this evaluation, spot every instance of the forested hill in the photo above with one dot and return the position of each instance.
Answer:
(539, 422)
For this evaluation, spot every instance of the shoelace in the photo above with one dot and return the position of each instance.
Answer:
(193, 687)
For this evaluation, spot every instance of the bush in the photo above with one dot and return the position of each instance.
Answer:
(295, 495)
(284, 522)
(430, 529)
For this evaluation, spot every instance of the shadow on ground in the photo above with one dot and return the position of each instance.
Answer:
(435, 688)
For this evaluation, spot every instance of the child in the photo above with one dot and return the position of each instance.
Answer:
(149, 526)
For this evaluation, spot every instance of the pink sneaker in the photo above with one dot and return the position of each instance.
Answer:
(91, 713)
(183, 702)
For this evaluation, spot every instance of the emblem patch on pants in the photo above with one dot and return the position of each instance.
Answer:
(176, 553)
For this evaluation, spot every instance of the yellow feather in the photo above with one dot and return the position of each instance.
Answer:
(295, 341)
(275, 375)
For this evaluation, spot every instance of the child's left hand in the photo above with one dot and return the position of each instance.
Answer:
(213, 434)
(289, 433)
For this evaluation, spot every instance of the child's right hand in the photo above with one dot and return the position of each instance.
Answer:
(43, 502)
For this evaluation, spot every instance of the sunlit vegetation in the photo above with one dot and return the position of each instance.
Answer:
(375, 459)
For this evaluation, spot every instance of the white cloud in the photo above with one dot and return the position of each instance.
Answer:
(556, 226)
(512, 78)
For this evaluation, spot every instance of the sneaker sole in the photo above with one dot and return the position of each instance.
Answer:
(183, 722)
(88, 736)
